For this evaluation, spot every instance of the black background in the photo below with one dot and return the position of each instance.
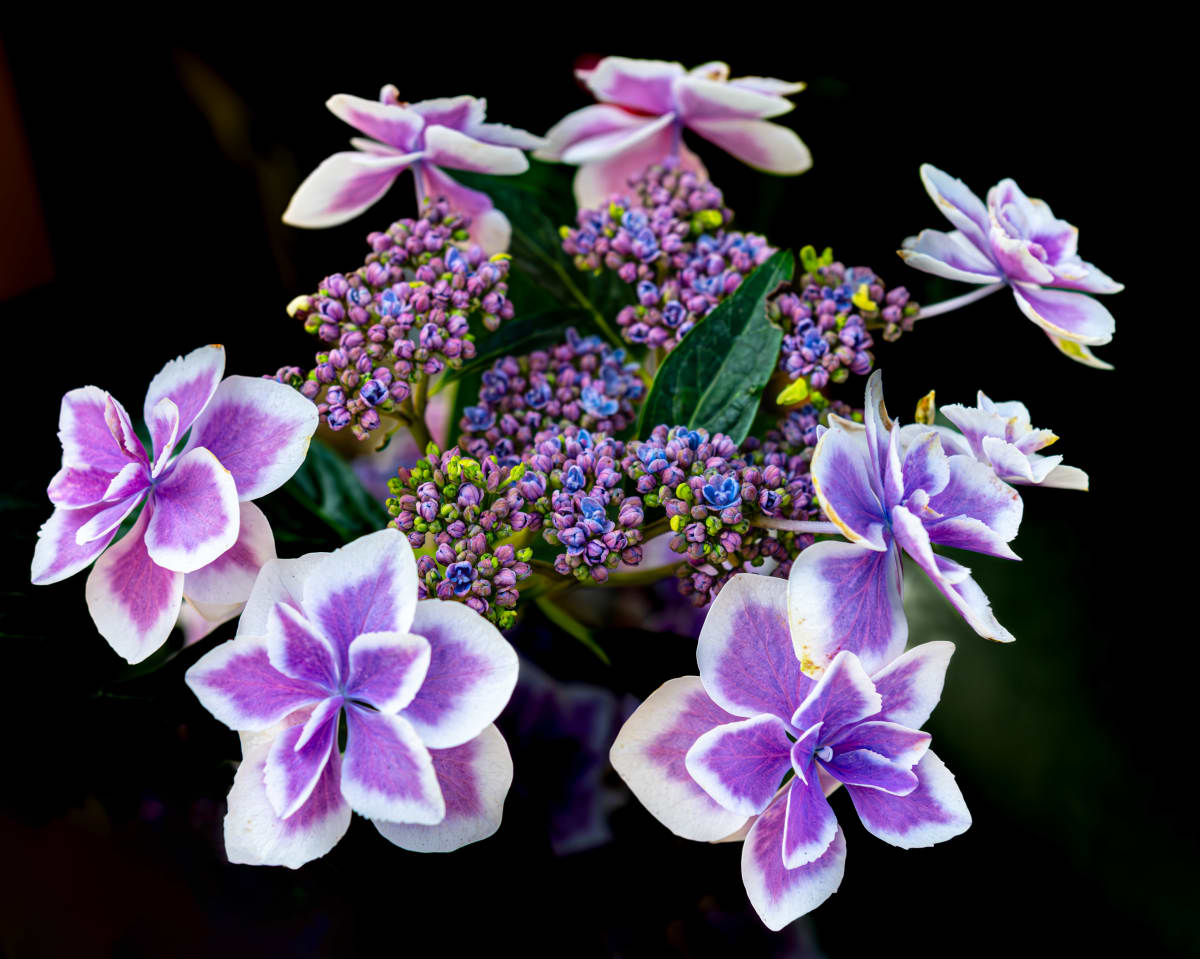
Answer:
(162, 167)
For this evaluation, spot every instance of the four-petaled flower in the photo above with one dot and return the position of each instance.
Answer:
(848, 595)
(645, 105)
(423, 137)
(340, 638)
(198, 533)
(1017, 240)
(707, 755)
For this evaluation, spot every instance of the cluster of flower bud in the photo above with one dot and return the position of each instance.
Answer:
(403, 315)
(668, 238)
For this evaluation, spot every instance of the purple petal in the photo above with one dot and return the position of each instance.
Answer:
(458, 151)
(121, 428)
(279, 581)
(1014, 256)
(458, 113)
(259, 430)
(388, 774)
(1061, 313)
(958, 204)
(586, 124)
(931, 813)
(387, 669)
(745, 652)
(368, 586)
(809, 825)
(608, 145)
(254, 833)
(974, 490)
(849, 488)
(164, 431)
(950, 255)
(471, 676)
(842, 596)
(595, 183)
(843, 696)
(700, 98)
(58, 554)
(87, 441)
(503, 135)
(489, 227)
(398, 127)
(781, 895)
(896, 742)
(76, 486)
(187, 381)
(238, 685)
(965, 532)
(298, 757)
(926, 466)
(134, 602)
(129, 489)
(474, 778)
(1077, 274)
(343, 186)
(640, 84)
(768, 85)
(195, 516)
(868, 769)
(741, 764)
(229, 578)
(299, 651)
(649, 754)
(911, 685)
(765, 146)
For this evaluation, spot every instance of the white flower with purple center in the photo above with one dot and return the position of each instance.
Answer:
(1016, 240)
(888, 503)
(645, 107)
(198, 534)
(752, 747)
(423, 137)
(334, 647)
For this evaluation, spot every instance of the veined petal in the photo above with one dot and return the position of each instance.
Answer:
(765, 146)
(949, 255)
(592, 121)
(781, 895)
(471, 675)
(966, 532)
(848, 487)
(458, 151)
(843, 696)
(187, 381)
(894, 741)
(298, 650)
(163, 423)
(699, 98)
(975, 491)
(229, 578)
(387, 669)
(607, 145)
(76, 486)
(809, 825)
(297, 759)
(134, 602)
(649, 754)
(397, 126)
(744, 652)
(911, 684)
(279, 581)
(112, 513)
(83, 430)
(195, 517)
(1014, 257)
(958, 204)
(869, 770)
(343, 186)
(474, 778)
(388, 774)
(931, 813)
(1072, 316)
(259, 430)
(641, 84)
(741, 764)
(843, 596)
(926, 466)
(58, 553)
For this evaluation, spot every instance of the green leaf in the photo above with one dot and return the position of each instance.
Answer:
(715, 376)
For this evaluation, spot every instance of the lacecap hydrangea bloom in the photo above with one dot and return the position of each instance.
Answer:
(198, 534)
(751, 748)
(333, 638)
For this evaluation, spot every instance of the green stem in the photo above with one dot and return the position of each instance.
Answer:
(569, 624)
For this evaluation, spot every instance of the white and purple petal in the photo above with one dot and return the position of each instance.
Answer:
(399, 127)
(298, 757)
(702, 98)
(809, 825)
(189, 383)
(195, 517)
(644, 85)
(593, 121)
(931, 813)
(279, 581)
(229, 579)
(595, 183)
(757, 143)
(975, 491)
(869, 770)
(741, 764)
(489, 227)
(849, 486)
(387, 669)
(112, 512)
(343, 186)
(58, 553)
(1066, 314)
(949, 255)
(843, 696)
(459, 151)
(83, 430)
(911, 684)
(387, 772)
(957, 204)
(299, 650)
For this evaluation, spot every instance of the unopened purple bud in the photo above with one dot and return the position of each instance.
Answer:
(338, 418)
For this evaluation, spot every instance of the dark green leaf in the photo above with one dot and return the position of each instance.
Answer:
(715, 376)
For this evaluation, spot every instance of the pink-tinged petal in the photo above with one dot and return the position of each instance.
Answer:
(1073, 316)
(598, 148)
(849, 487)
(105, 522)
(471, 676)
(745, 650)
(949, 255)
(121, 428)
(76, 486)
(259, 430)
(741, 764)
(134, 602)
(238, 685)
(229, 578)
(843, 696)
(926, 466)
(1015, 258)
(503, 135)
(387, 669)
(966, 532)
(1077, 274)
(649, 754)
(196, 514)
(388, 773)
(298, 757)
(474, 778)
(911, 685)
(768, 85)
(279, 581)
(373, 147)
(58, 554)
(958, 204)
(953, 442)
(699, 98)
(1066, 477)
(458, 151)
(86, 439)
(765, 146)
(931, 813)
(975, 491)
(197, 620)
(596, 183)
(594, 121)
(458, 113)
(298, 650)
(894, 741)
(164, 431)
(256, 836)
(953, 580)
(398, 127)
(869, 770)
(189, 382)
(781, 895)
(842, 596)
(809, 825)
(343, 186)
(367, 586)
(489, 227)
(640, 84)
